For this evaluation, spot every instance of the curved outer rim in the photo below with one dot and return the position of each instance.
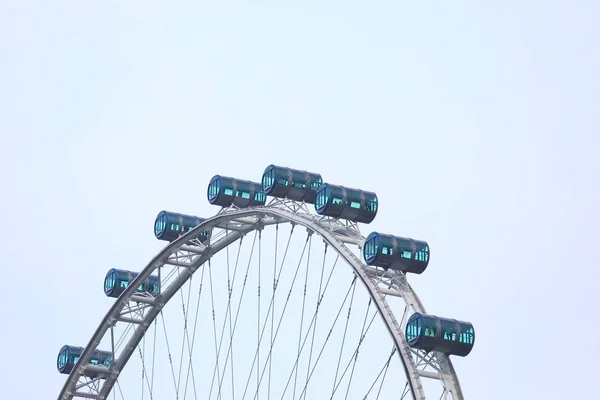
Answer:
(280, 216)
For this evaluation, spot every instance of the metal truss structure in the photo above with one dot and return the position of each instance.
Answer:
(188, 254)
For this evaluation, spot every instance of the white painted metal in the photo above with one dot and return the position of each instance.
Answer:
(238, 222)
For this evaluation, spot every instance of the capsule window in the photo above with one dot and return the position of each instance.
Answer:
(467, 337)
(336, 200)
(422, 252)
(160, 224)
(123, 284)
(449, 334)
(109, 282)
(213, 189)
(323, 197)
(282, 182)
(153, 288)
(63, 358)
(268, 179)
(430, 332)
(300, 185)
(355, 204)
(370, 248)
(413, 330)
(258, 196)
(228, 192)
(243, 195)
(315, 185)
(370, 202)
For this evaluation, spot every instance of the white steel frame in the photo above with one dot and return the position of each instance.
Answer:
(189, 254)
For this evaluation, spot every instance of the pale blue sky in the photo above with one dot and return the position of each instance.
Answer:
(476, 124)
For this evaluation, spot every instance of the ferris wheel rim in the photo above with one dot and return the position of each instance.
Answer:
(279, 215)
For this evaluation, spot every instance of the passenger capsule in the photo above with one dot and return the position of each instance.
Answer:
(117, 280)
(169, 226)
(431, 333)
(69, 355)
(398, 253)
(290, 183)
(224, 191)
(352, 204)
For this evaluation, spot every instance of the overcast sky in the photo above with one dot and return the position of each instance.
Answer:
(475, 122)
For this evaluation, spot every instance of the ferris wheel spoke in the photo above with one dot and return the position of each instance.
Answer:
(295, 371)
(194, 340)
(212, 299)
(269, 356)
(227, 317)
(337, 369)
(256, 359)
(145, 381)
(162, 317)
(354, 356)
(273, 313)
(350, 289)
(258, 332)
(382, 371)
(120, 391)
(237, 314)
(312, 322)
(312, 342)
(385, 375)
(185, 306)
(153, 359)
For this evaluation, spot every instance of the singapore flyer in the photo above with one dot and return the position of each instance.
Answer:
(284, 265)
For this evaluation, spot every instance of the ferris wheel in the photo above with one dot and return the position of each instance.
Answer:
(277, 296)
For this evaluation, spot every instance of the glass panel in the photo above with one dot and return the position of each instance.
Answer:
(468, 335)
(414, 329)
(62, 359)
(259, 196)
(243, 195)
(213, 189)
(449, 330)
(108, 361)
(370, 202)
(316, 183)
(109, 282)
(160, 224)
(228, 192)
(298, 179)
(323, 196)
(371, 247)
(268, 178)
(404, 248)
(422, 252)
